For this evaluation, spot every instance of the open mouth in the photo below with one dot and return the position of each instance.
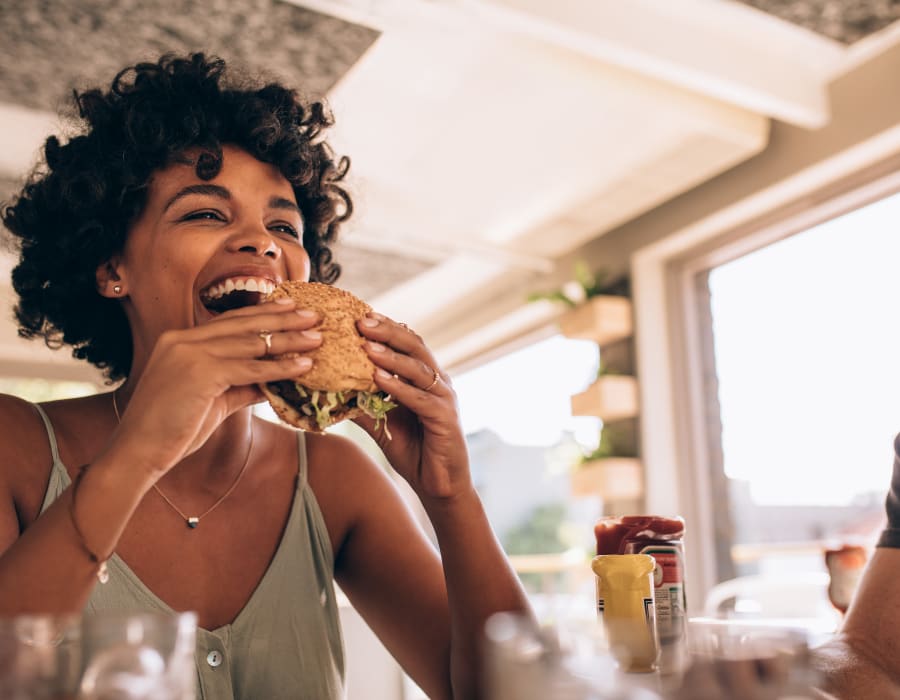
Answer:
(235, 293)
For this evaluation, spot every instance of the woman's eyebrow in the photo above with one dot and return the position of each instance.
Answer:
(213, 190)
(282, 203)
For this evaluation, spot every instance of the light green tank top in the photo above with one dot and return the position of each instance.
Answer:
(285, 644)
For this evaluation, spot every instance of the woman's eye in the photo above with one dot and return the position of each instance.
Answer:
(206, 214)
(286, 229)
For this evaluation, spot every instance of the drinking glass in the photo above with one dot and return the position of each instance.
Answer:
(143, 656)
(39, 657)
(746, 660)
(565, 660)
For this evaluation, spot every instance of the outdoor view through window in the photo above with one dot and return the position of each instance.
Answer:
(805, 334)
(524, 443)
(806, 337)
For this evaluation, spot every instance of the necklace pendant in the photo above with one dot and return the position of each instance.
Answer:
(193, 521)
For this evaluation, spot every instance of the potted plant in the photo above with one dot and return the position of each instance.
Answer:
(611, 397)
(598, 308)
(611, 471)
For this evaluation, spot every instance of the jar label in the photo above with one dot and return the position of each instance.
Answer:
(668, 583)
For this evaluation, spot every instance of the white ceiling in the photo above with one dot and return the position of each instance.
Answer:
(505, 134)
(492, 137)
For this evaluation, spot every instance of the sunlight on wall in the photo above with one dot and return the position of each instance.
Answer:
(37, 390)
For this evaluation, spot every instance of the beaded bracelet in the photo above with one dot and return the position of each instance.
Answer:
(103, 571)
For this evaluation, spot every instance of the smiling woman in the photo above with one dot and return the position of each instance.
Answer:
(96, 193)
(149, 242)
(248, 208)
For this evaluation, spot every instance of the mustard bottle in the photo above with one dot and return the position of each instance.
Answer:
(625, 606)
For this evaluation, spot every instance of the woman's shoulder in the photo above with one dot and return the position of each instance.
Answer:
(25, 441)
(25, 455)
(21, 426)
(338, 461)
(347, 481)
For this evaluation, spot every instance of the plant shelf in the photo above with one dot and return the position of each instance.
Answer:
(611, 398)
(603, 319)
(611, 478)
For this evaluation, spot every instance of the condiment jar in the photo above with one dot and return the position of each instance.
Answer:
(625, 606)
(663, 539)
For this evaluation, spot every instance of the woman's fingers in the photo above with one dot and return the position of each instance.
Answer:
(416, 373)
(397, 335)
(238, 397)
(271, 330)
(241, 372)
(278, 306)
(425, 404)
(406, 369)
(265, 343)
(269, 316)
(212, 367)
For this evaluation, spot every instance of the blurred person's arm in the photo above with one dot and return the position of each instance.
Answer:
(863, 660)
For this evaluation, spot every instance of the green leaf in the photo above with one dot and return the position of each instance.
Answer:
(556, 296)
(584, 277)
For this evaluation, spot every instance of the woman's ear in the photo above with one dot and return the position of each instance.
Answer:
(110, 283)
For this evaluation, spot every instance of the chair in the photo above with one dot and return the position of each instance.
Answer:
(796, 599)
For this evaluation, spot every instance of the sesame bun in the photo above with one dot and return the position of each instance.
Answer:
(340, 364)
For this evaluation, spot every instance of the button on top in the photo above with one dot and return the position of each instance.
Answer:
(214, 658)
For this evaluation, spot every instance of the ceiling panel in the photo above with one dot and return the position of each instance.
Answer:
(369, 273)
(48, 48)
(508, 137)
(846, 21)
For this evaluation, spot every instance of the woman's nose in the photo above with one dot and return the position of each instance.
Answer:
(256, 241)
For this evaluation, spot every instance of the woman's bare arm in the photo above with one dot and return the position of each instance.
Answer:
(428, 610)
(195, 379)
(46, 567)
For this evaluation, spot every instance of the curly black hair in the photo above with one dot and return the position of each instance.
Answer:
(76, 208)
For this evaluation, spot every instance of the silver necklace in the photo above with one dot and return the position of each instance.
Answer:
(193, 520)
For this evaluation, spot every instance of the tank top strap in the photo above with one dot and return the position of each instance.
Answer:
(301, 459)
(51, 434)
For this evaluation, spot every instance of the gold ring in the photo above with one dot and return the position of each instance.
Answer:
(266, 337)
(437, 378)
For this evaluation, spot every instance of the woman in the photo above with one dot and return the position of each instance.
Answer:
(179, 182)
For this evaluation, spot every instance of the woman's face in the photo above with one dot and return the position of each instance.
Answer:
(203, 246)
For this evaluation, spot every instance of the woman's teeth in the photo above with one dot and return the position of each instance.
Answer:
(238, 284)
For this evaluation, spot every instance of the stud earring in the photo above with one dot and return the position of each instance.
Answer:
(117, 288)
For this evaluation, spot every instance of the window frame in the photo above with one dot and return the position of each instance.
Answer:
(681, 436)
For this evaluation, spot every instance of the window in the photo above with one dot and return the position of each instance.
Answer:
(805, 339)
(523, 443)
(771, 422)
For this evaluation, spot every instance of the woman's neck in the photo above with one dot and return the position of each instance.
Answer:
(227, 451)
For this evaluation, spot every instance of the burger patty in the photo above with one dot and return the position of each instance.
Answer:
(287, 390)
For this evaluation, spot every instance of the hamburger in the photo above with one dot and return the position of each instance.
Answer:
(339, 385)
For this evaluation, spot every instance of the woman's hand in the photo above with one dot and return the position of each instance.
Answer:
(427, 446)
(195, 378)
